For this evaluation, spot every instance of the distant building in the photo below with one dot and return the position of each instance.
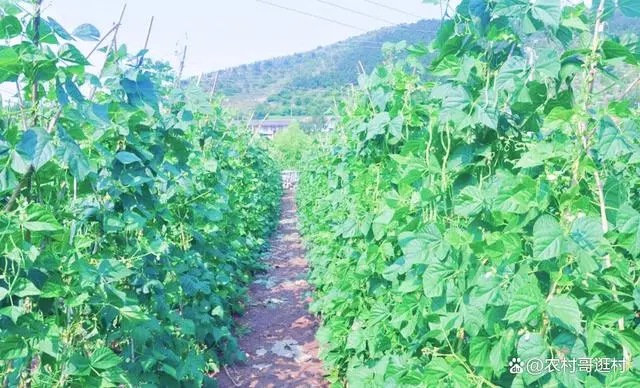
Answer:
(268, 128)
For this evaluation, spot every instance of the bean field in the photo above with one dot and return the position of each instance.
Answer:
(475, 211)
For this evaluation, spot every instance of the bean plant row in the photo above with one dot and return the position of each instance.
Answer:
(484, 211)
(133, 213)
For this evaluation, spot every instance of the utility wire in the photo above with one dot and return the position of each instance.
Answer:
(356, 12)
(391, 23)
(393, 9)
(326, 19)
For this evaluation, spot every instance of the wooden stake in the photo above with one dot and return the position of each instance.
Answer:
(215, 84)
(184, 56)
(146, 41)
(111, 47)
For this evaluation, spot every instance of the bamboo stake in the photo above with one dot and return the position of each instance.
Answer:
(215, 84)
(184, 56)
(111, 47)
(146, 41)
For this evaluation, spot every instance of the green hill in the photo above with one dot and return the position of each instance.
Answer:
(304, 84)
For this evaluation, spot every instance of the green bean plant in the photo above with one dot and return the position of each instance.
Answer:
(133, 214)
(488, 217)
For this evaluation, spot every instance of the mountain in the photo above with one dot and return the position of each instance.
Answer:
(303, 84)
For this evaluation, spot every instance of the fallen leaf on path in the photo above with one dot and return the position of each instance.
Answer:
(289, 348)
(261, 367)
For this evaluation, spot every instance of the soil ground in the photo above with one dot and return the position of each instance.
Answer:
(280, 341)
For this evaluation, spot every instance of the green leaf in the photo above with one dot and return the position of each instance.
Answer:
(348, 229)
(103, 358)
(140, 91)
(10, 27)
(628, 224)
(379, 313)
(70, 53)
(548, 12)
(133, 313)
(525, 302)
(13, 347)
(72, 90)
(612, 50)
(629, 338)
(10, 65)
(78, 365)
(610, 312)
(58, 29)
(395, 127)
(3, 293)
(434, 278)
(531, 346)
(564, 310)
(547, 64)
(71, 154)
(380, 222)
(511, 75)
(36, 148)
(629, 8)
(40, 219)
(612, 142)
(25, 287)
(548, 238)
(479, 351)
(87, 32)
(127, 158)
(13, 312)
(470, 202)
(587, 233)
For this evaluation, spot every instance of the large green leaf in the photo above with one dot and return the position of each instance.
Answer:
(70, 153)
(629, 8)
(127, 158)
(470, 202)
(564, 310)
(532, 348)
(612, 141)
(628, 223)
(587, 233)
(511, 75)
(35, 148)
(548, 12)
(87, 32)
(547, 64)
(70, 53)
(548, 238)
(610, 312)
(10, 27)
(527, 300)
(103, 358)
(10, 64)
(140, 90)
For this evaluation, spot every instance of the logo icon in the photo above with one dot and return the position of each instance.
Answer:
(515, 366)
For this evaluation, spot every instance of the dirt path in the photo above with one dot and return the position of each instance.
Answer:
(280, 345)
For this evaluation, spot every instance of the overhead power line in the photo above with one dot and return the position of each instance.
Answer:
(393, 9)
(326, 19)
(356, 12)
(391, 23)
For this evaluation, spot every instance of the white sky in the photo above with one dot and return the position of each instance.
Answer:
(225, 33)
